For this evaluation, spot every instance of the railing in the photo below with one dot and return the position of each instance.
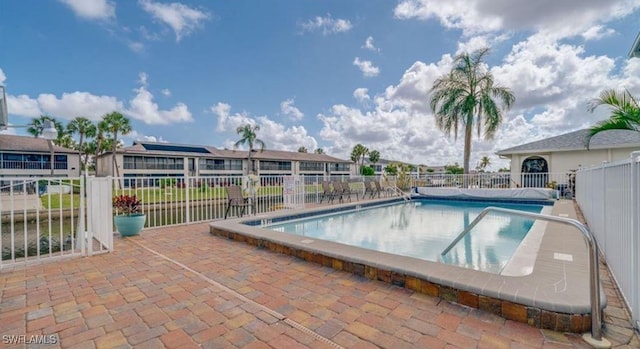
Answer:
(594, 275)
(33, 165)
(559, 181)
(40, 227)
(609, 197)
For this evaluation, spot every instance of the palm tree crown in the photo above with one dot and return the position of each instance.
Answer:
(467, 96)
(248, 136)
(625, 112)
(115, 124)
(84, 128)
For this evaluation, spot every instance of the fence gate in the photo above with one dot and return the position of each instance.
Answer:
(99, 233)
(293, 192)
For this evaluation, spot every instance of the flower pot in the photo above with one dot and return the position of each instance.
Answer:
(130, 225)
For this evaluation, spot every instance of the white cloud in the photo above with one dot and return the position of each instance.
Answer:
(75, 104)
(183, 19)
(143, 108)
(279, 137)
(549, 16)
(23, 105)
(226, 121)
(366, 67)
(361, 95)
(165, 92)
(287, 108)
(136, 46)
(275, 135)
(92, 10)
(135, 135)
(369, 45)
(327, 25)
(597, 32)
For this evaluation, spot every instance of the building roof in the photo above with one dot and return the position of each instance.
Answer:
(577, 140)
(154, 148)
(29, 144)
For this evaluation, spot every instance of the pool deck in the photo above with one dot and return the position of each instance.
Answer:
(182, 287)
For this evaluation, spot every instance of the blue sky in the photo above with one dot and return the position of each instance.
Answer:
(326, 74)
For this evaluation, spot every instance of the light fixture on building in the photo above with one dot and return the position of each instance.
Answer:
(49, 130)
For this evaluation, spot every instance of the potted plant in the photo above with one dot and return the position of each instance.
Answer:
(129, 219)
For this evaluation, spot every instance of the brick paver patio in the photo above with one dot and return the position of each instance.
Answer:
(180, 287)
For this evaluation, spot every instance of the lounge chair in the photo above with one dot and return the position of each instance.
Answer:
(235, 199)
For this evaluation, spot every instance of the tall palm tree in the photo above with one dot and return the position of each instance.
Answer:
(319, 151)
(248, 136)
(357, 155)
(116, 124)
(374, 157)
(625, 112)
(468, 96)
(84, 128)
(302, 150)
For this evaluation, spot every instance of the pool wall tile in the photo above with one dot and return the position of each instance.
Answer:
(449, 294)
(513, 311)
(468, 299)
(490, 305)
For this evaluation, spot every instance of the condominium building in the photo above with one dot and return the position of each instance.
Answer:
(26, 156)
(151, 159)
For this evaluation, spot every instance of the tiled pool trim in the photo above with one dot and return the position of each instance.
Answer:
(531, 299)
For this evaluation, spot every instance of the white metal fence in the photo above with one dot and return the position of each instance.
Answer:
(43, 218)
(609, 197)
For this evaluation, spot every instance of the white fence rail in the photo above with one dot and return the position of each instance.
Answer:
(609, 197)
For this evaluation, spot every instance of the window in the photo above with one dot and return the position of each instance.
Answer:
(311, 166)
(275, 165)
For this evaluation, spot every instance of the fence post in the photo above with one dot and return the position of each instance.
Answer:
(604, 204)
(187, 197)
(635, 226)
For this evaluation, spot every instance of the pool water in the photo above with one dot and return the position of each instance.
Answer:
(423, 229)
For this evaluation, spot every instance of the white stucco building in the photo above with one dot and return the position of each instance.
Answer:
(560, 154)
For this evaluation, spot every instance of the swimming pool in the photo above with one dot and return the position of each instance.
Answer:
(423, 229)
(544, 284)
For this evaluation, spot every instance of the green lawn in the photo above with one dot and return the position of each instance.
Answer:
(159, 195)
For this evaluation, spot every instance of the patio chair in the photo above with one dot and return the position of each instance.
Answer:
(368, 188)
(346, 190)
(327, 192)
(378, 189)
(338, 191)
(235, 199)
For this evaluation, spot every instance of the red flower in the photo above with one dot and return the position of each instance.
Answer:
(127, 205)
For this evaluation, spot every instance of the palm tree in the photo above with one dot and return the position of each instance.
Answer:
(467, 96)
(625, 112)
(115, 123)
(319, 151)
(248, 135)
(302, 150)
(84, 128)
(358, 153)
(374, 157)
(484, 162)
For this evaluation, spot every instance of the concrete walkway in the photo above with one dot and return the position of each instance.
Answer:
(181, 287)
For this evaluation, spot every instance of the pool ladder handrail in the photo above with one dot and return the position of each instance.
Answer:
(399, 191)
(594, 275)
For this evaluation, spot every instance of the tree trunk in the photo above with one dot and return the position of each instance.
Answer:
(468, 131)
